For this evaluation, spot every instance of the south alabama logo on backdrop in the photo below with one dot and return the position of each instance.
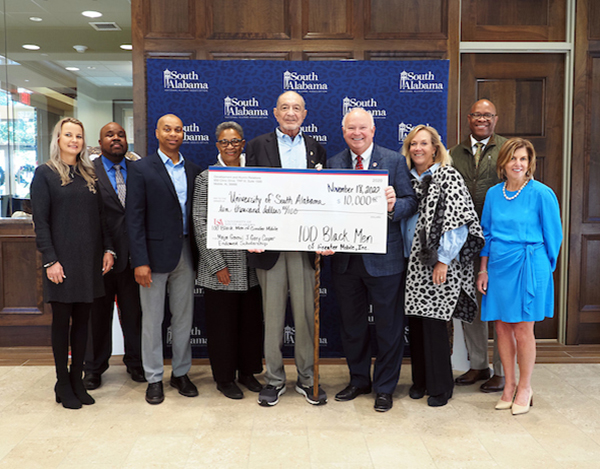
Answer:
(204, 93)
(399, 95)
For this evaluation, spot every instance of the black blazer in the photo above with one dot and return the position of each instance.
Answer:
(153, 214)
(114, 214)
(264, 151)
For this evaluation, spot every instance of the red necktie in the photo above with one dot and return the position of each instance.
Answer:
(359, 164)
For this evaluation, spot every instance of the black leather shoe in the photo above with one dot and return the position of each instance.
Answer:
(230, 390)
(137, 374)
(472, 376)
(439, 400)
(383, 402)
(155, 393)
(250, 382)
(415, 392)
(351, 392)
(92, 381)
(184, 386)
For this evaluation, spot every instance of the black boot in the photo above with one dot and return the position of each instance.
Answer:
(79, 389)
(65, 395)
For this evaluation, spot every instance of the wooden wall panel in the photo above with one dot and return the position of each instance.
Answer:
(523, 105)
(170, 19)
(409, 19)
(583, 308)
(327, 20)
(514, 20)
(592, 173)
(251, 19)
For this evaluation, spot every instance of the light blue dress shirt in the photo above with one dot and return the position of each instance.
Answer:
(177, 173)
(451, 242)
(291, 151)
(111, 172)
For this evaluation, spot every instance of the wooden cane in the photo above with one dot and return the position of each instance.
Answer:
(317, 324)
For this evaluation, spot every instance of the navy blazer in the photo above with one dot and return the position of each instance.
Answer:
(114, 213)
(392, 262)
(154, 218)
(264, 151)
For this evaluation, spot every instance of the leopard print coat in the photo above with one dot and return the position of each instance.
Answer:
(444, 204)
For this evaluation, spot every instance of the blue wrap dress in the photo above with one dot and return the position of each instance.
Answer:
(522, 240)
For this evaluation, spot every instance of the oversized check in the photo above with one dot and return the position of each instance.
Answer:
(297, 210)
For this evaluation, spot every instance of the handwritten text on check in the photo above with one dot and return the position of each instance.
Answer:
(297, 210)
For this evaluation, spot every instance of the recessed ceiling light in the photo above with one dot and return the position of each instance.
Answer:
(37, 19)
(126, 46)
(71, 69)
(91, 68)
(31, 47)
(91, 14)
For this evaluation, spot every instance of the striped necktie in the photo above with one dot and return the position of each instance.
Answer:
(121, 188)
(478, 153)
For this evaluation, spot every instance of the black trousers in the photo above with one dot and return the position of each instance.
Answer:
(430, 355)
(354, 288)
(234, 327)
(123, 286)
(62, 335)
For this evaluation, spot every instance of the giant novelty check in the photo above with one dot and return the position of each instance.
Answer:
(297, 210)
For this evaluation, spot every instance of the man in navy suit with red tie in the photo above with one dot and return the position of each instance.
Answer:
(376, 278)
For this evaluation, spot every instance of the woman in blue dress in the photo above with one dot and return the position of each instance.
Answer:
(523, 234)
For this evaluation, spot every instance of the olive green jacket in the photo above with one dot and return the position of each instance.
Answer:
(480, 179)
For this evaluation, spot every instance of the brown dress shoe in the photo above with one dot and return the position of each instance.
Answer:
(472, 376)
(494, 384)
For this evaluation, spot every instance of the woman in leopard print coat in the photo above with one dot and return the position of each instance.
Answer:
(441, 241)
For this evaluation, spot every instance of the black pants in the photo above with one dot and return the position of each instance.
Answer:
(234, 326)
(430, 355)
(123, 286)
(78, 314)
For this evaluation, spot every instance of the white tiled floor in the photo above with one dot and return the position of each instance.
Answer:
(122, 431)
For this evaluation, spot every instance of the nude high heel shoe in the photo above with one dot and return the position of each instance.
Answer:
(523, 409)
(504, 405)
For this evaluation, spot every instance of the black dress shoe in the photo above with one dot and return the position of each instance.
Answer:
(184, 386)
(472, 376)
(230, 390)
(416, 392)
(439, 400)
(383, 402)
(351, 392)
(250, 382)
(137, 374)
(92, 381)
(154, 393)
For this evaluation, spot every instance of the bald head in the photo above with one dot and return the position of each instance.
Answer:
(113, 142)
(482, 119)
(169, 132)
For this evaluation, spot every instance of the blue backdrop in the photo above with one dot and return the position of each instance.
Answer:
(203, 93)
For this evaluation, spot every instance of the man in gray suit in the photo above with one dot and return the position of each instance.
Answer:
(358, 278)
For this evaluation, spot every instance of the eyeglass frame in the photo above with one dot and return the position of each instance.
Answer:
(488, 116)
(234, 142)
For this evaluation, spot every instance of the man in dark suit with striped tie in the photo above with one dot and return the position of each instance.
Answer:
(111, 170)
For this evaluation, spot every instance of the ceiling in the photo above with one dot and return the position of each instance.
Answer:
(103, 67)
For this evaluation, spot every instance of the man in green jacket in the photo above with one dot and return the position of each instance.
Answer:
(475, 158)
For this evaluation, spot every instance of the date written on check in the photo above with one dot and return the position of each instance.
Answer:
(297, 210)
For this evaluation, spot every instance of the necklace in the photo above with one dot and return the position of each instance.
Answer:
(518, 192)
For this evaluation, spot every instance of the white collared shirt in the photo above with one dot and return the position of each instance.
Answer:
(474, 142)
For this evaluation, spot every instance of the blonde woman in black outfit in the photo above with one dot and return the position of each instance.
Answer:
(76, 251)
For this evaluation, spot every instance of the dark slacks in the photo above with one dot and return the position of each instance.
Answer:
(123, 286)
(354, 288)
(234, 327)
(430, 355)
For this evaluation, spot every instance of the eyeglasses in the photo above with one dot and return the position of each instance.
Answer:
(478, 115)
(235, 142)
